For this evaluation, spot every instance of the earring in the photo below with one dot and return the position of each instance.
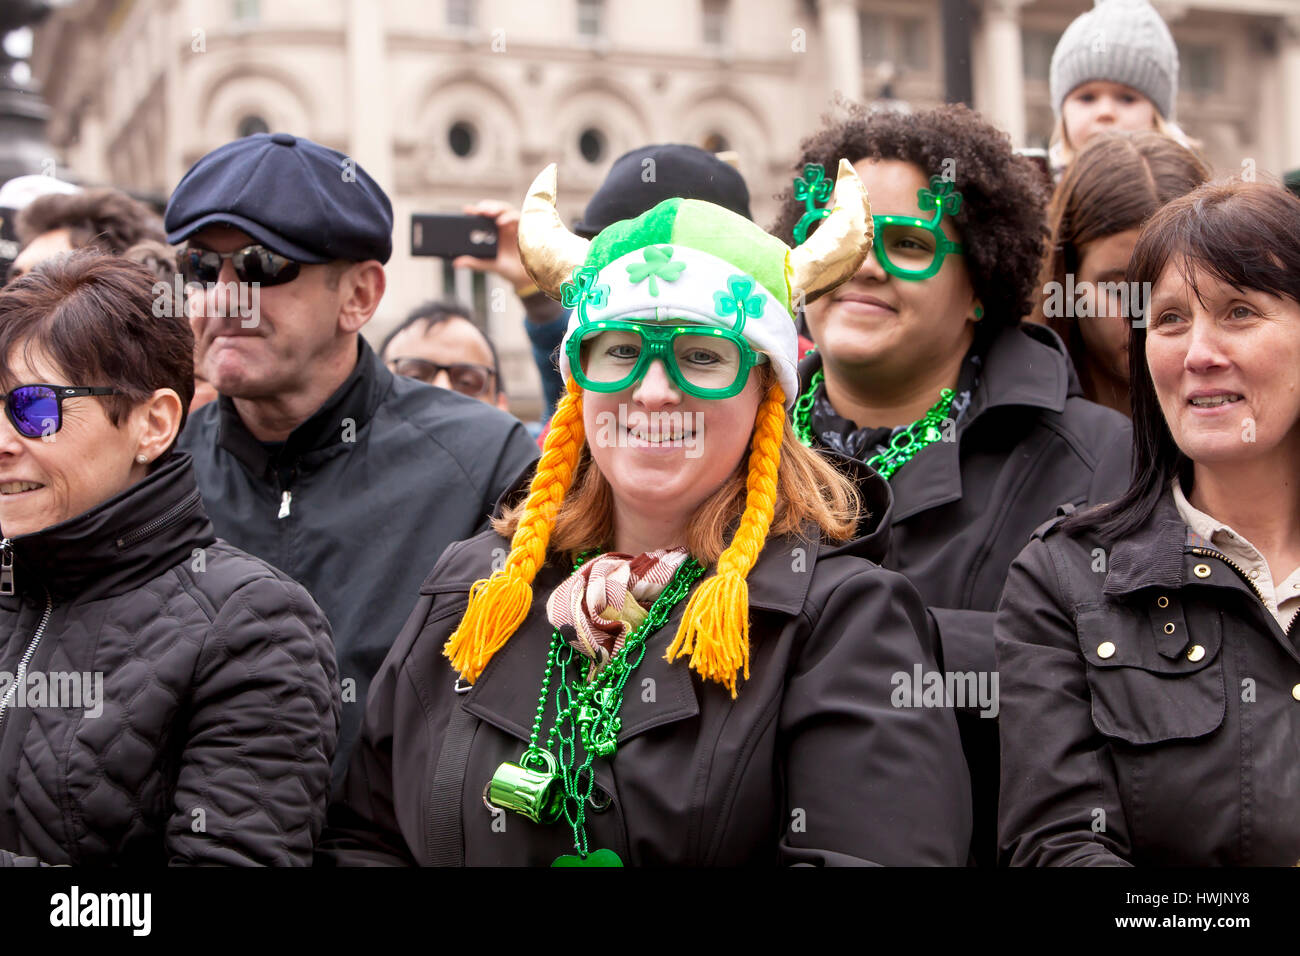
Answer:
(142, 458)
(979, 312)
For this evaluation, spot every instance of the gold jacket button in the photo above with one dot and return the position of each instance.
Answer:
(1201, 570)
(1169, 628)
(1195, 653)
(1295, 691)
(1162, 601)
(1106, 649)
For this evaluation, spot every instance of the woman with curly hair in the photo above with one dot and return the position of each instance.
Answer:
(924, 371)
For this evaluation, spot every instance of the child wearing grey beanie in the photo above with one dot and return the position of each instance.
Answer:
(1122, 42)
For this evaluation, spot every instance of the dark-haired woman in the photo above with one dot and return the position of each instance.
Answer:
(167, 699)
(924, 371)
(1116, 183)
(1150, 671)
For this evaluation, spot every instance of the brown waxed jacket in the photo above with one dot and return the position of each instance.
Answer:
(1150, 706)
(812, 763)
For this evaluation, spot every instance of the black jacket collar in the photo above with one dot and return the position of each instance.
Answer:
(322, 435)
(1024, 366)
(120, 543)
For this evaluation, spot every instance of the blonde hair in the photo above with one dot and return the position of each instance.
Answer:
(782, 484)
(1061, 152)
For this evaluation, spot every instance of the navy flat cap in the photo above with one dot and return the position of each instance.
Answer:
(644, 177)
(298, 198)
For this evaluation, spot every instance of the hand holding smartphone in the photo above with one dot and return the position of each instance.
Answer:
(447, 235)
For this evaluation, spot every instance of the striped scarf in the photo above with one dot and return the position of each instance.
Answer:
(606, 599)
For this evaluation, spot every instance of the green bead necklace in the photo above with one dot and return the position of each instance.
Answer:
(903, 447)
(550, 780)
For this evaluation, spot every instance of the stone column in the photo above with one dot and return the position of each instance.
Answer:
(1002, 60)
(1289, 121)
(178, 23)
(843, 45)
(370, 131)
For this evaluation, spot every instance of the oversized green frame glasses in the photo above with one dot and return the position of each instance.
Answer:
(711, 363)
(910, 247)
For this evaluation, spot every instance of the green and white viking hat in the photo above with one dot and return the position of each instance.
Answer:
(691, 261)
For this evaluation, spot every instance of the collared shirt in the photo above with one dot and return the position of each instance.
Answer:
(1282, 600)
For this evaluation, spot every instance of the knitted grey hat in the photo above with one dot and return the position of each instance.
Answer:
(1123, 41)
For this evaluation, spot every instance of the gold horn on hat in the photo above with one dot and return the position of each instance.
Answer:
(836, 250)
(549, 251)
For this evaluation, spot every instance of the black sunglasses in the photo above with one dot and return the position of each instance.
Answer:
(465, 377)
(254, 263)
(37, 410)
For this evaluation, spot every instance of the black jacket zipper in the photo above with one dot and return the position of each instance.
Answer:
(283, 482)
(6, 566)
(21, 676)
(150, 528)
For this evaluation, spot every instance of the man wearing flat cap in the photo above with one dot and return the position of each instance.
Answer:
(317, 458)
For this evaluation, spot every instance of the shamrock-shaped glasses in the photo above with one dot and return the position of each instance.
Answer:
(913, 248)
(701, 361)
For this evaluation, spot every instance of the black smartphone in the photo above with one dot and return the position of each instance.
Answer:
(449, 236)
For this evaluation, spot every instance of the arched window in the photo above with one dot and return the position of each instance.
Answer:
(252, 124)
(592, 145)
(715, 142)
(462, 137)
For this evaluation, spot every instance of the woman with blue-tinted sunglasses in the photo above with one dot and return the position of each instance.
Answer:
(923, 370)
(179, 696)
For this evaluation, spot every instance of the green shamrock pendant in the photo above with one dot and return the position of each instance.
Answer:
(594, 858)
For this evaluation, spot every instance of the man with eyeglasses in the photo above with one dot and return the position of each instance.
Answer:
(439, 345)
(316, 457)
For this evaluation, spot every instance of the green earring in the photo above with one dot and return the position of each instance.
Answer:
(979, 312)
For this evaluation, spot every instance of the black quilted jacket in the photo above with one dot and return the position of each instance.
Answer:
(212, 738)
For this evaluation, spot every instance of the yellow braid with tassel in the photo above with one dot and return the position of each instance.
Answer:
(499, 604)
(715, 625)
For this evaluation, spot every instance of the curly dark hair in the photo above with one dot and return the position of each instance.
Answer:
(1003, 213)
(105, 218)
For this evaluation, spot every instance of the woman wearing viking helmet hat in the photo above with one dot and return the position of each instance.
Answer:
(688, 654)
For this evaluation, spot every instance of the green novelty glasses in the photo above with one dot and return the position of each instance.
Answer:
(702, 361)
(913, 248)
(910, 247)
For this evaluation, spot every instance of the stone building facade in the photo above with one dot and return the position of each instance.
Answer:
(448, 101)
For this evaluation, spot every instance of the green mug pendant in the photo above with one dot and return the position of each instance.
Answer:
(535, 794)
(594, 858)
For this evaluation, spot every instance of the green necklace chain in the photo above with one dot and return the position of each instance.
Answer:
(549, 780)
(903, 447)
